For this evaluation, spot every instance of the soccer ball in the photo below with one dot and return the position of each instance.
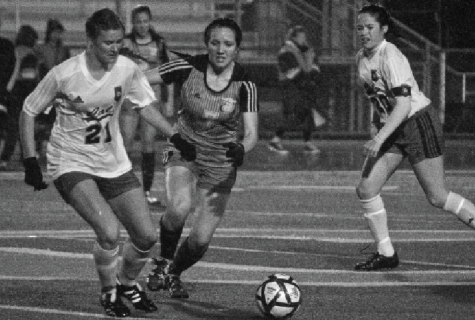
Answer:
(278, 297)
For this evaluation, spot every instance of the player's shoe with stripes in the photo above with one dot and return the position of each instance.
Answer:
(378, 262)
(278, 147)
(113, 305)
(137, 297)
(175, 287)
(156, 278)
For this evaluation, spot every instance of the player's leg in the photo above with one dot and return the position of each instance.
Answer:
(428, 166)
(82, 193)
(431, 176)
(289, 99)
(128, 202)
(148, 134)
(213, 190)
(375, 173)
(180, 182)
(209, 213)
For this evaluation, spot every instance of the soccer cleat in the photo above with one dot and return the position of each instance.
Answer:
(113, 305)
(151, 200)
(156, 278)
(175, 287)
(137, 296)
(378, 262)
(277, 147)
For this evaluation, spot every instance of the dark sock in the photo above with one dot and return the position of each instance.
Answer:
(186, 257)
(148, 169)
(168, 241)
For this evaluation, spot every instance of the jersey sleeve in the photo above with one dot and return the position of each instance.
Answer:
(42, 95)
(396, 68)
(248, 97)
(175, 71)
(141, 93)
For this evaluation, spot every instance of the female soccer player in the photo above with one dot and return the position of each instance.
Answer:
(87, 159)
(405, 125)
(215, 95)
(151, 51)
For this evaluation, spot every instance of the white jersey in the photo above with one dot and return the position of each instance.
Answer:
(385, 70)
(86, 135)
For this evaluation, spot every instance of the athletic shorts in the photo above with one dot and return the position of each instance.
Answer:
(216, 179)
(108, 187)
(418, 138)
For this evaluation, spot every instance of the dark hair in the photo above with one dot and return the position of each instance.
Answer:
(27, 36)
(103, 20)
(379, 13)
(51, 26)
(223, 23)
(140, 9)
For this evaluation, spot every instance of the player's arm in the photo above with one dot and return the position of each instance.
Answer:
(168, 111)
(398, 115)
(156, 119)
(153, 76)
(249, 108)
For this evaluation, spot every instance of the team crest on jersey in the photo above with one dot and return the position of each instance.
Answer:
(229, 105)
(374, 75)
(118, 93)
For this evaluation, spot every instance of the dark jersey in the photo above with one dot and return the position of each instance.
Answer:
(209, 118)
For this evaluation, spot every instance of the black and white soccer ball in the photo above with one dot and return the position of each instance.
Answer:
(279, 297)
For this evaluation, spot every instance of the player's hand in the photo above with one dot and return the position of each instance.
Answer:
(187, 150)
(235, 152)
(371, 148)
(33, 174)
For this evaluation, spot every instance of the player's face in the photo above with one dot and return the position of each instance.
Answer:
(301, 38)
(142, 24)
(107, 45)
(370, 31)
(222, 48)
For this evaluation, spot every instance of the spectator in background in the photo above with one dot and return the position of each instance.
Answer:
(24, 79)
(148, 50)
(300, 87)
(7, 58)
(52, 52)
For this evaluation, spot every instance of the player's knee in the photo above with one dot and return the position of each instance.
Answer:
(364, 190)
(177, 209)
(146, 241)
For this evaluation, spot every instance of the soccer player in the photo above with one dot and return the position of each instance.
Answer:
(405, 125)
(216, 94)
(87, 159)
(150, 51)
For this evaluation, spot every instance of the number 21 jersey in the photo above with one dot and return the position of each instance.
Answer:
(86, 135)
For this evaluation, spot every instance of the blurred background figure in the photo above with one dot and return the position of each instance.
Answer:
(7, 58)
(24, 79)
(299, 79)
(52, 52)
(149, 50)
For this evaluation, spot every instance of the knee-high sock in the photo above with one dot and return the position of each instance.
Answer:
(133, 261)
(186, 257)
(106, 265)
(377, 220)
(462, 208)
(168, 241)
(148, 169)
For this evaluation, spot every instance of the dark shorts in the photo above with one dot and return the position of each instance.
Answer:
(420, 137)
(216, 179)
(108, 187)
